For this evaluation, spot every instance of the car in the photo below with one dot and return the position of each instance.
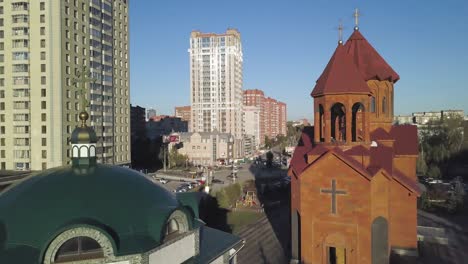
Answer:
(187, 186)
(163, 181)
(232, 177)
(217, 181)
(180, 189)
(201, 182)
(190, 186)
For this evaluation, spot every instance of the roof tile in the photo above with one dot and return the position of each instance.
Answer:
(340, 76)
(369, 62)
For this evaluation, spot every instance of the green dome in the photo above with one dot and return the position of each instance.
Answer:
(83, 135)
(128, 207)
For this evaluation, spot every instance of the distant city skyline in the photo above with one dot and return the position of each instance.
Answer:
(286, 46)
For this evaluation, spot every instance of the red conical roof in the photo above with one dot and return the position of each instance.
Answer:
(369, 62)
(340, 76)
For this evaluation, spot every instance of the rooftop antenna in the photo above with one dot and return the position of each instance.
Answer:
(356, 19)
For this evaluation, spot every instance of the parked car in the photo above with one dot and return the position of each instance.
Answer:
(181, 189)
(187, 186)
(163, 181)
(217, 181)
(201, 182)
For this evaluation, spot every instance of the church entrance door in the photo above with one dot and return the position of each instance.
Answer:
(336, 255)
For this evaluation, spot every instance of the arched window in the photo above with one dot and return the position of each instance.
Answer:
(372, 104)
(176, 225)
(77, 249)
(172, 227)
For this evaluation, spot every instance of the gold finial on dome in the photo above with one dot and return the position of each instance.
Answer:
(83, 117)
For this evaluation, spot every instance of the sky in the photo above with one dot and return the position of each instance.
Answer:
(287, 44)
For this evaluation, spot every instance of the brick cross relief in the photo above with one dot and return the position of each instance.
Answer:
(334, 192)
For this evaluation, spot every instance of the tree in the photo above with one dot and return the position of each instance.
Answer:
(228, 196)
(269, 157)
(433, 171)
(421, 166)
(439, 141)
(268, 142)
(294, 133)
(176, 159)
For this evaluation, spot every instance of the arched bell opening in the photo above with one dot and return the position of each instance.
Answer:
(338, 122)
(321, 124)
(358, 122)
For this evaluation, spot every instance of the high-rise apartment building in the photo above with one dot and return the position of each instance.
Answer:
(137, 123)
(44, 45)
(216, 84)
(272, 116)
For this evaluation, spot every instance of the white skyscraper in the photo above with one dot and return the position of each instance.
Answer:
(216, 94)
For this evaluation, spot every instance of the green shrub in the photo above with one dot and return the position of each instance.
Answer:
(222, 198)
(228, 196)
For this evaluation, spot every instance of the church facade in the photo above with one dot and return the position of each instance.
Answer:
(353, 174)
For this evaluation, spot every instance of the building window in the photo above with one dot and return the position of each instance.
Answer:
(78, 249)
(372, 104)
(44, 142)
(176, 225)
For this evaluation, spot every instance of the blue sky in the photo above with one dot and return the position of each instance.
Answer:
(287, 44)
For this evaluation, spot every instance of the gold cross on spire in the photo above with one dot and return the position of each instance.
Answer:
(356, 19)
(340, 33)
(83, 78)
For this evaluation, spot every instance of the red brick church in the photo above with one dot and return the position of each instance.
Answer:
(354, 185)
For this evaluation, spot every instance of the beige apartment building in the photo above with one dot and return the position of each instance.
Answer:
(44, 45)
(207, 148)
(252, 126)
(216, 84)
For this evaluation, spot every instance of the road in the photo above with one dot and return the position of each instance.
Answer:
(246, 171)
(221, 179)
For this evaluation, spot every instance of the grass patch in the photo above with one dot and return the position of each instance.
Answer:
(238, 219)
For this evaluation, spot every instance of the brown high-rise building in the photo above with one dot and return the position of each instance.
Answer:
(183, 112)
(272, 113)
